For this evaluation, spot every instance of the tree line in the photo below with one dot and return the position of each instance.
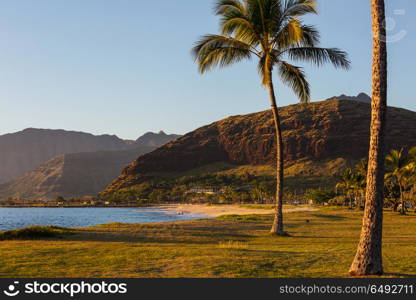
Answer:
(399, 180)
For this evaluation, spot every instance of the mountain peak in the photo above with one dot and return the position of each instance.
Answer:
(152, 139)
(361, 97)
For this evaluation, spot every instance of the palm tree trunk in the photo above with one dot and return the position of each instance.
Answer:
(350, 198)
(403, 210)
(277, 227)
(368, 260)
(395, 206)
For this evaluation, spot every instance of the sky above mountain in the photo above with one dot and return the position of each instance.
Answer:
(124, 67)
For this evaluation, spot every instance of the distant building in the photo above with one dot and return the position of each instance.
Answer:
(204, 190)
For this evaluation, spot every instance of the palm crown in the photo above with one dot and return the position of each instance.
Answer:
(400, 166)
(271, 30)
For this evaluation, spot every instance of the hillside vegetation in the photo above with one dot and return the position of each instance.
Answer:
(320, 139)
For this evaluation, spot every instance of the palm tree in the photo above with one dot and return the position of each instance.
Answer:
(413, 194)
(391, 193)
(368, 259)
(361, 179)
(412, 159)
(408, 182)
(399, 172)
(362, 168)
(346, 182)
(272, 32)
(412, 155)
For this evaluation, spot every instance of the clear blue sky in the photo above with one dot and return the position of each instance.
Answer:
(124, 67)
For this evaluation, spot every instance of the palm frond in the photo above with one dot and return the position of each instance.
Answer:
(234, 23)
(224, 7)
(310, 36)
(298, 8)
(241, 29)
(295, 34)
(295, 78)
(412, 154)
(257, 12)
(276, 11)
(289, 35)
(320, 56)
(216, 50)
(271, 12)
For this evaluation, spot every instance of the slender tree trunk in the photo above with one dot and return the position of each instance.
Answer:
(368, 260)
(357, 205)
(395, 206)
(350, 197)
(363, 199)
(277, 227)
(403, 210)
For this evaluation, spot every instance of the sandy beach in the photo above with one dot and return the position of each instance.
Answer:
(232, 209)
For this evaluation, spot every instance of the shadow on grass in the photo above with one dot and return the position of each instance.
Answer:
(329, 217)
(246, 218)
(276, 262)
(198, 238)
(385, 275)
(399, 275)
(186, 232)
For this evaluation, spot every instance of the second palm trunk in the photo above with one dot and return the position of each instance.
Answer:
(368, 260)
(277, 227)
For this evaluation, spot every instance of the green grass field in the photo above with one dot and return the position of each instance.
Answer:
(231, 246)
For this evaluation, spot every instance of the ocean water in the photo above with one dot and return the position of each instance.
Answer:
(13, 218)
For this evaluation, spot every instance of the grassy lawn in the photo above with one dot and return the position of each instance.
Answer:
(231, 246)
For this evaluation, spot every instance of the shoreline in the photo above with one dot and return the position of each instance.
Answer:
(207, 210)
(228, 209)
(78, 206)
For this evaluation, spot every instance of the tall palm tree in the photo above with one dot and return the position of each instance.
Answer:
(272, 32)
(368, 259)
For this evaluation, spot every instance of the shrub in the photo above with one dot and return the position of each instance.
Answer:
(320, 196)
(33, 233)
(338, 200)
